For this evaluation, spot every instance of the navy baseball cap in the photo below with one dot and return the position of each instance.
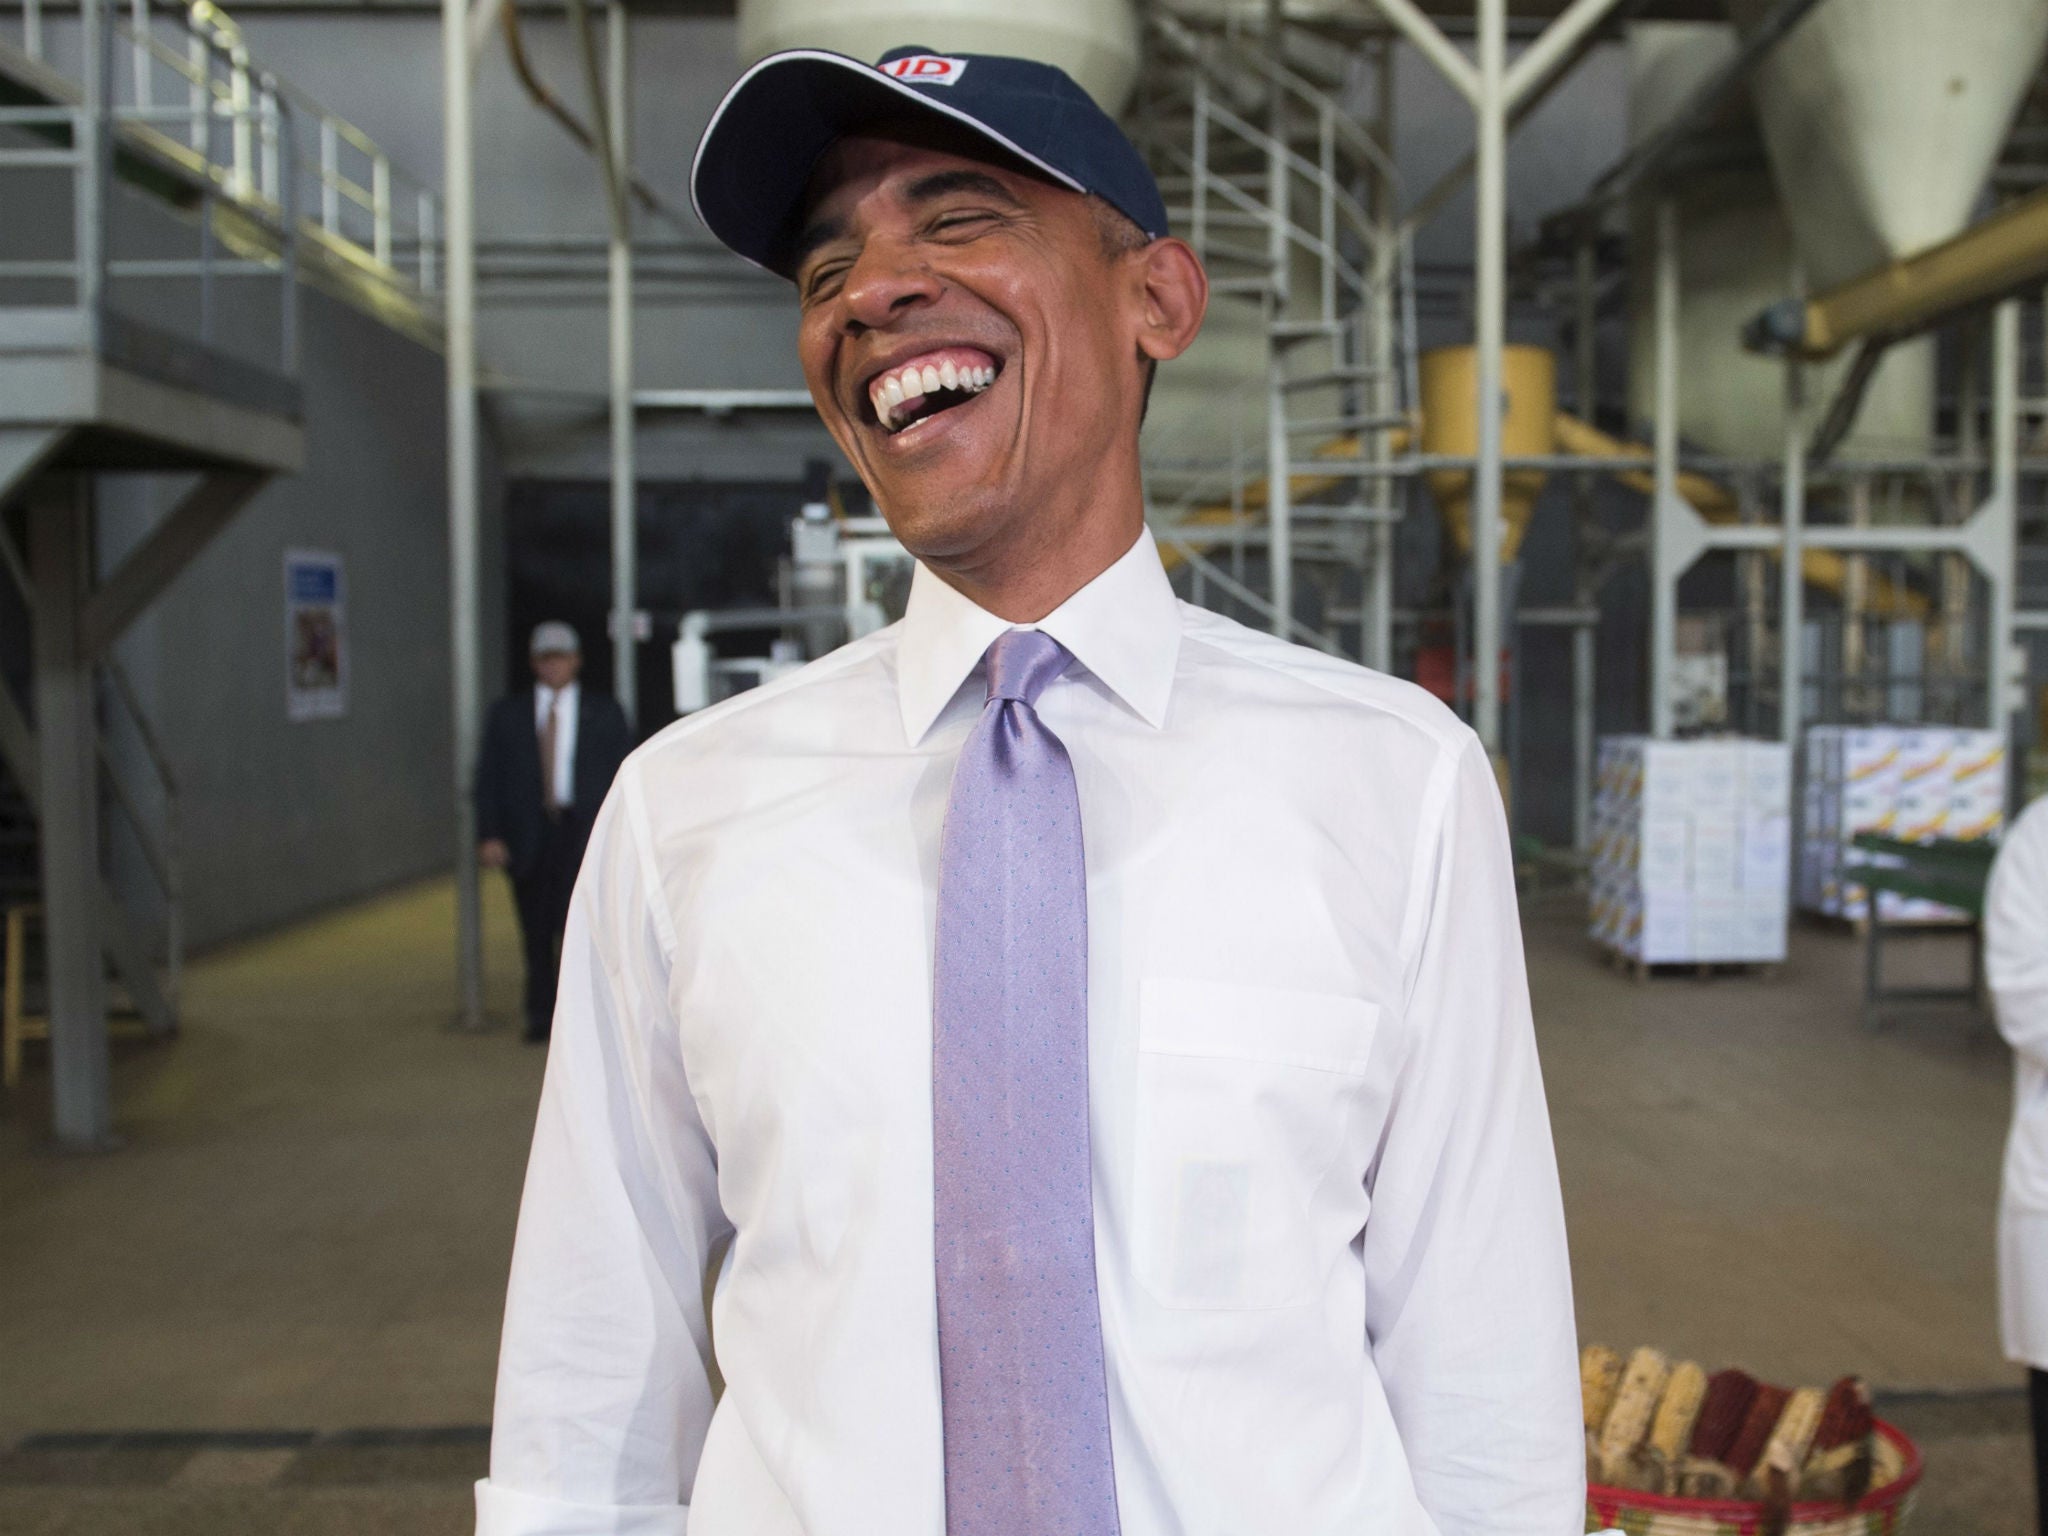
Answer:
(755, 160)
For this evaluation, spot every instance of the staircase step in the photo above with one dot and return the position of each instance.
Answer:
(1349, 374)
(1345, 426)
(1286, 331)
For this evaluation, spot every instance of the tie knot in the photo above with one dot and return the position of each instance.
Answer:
(1022, 662)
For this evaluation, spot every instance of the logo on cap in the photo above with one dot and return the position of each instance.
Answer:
(925, 69)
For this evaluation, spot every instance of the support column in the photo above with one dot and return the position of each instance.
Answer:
(59, 552)
(1791, 566)
(1663, 505)
(458, 136)
(625, 474)
(1582, 736)
(2003, 509)
(1585, 391)
(1490, 302)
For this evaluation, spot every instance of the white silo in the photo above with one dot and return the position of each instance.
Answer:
(1095, 41)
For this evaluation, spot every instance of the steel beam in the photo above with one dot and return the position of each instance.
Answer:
(625, 475)
(1668, 511)
(1792, 567)
(1998, 519)
(1431, 43)
(24, 450)
(170, 547)
(1490, 304)
(465, 647)
(1553, 47)
(60, 542)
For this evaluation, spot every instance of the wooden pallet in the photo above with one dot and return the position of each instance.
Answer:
(1699, 970)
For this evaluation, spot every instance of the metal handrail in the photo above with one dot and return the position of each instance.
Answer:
(363, 202)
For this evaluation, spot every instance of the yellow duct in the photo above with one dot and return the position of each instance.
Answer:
(1992, 258)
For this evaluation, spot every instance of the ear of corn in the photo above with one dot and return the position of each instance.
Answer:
(1846, 1417)
(1684, 1393)
(1658, 1428)
(1791, 1438)
(1628, 1419)
(1748, 1447)
(1721, 1415)
(1599, 1376)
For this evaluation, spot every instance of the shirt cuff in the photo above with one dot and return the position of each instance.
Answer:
(502, 1511)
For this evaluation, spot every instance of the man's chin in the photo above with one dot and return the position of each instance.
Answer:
(940, 519)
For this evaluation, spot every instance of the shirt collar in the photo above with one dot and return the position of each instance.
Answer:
(1124, 627)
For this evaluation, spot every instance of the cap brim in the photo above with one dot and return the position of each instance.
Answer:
(754, 163)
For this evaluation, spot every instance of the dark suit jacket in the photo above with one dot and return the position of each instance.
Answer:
(509, 802)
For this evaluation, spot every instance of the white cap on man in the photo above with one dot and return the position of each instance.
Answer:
(554, 638)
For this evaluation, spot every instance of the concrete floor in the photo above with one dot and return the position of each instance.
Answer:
(276, 1309)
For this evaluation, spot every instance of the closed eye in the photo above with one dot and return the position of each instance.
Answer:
(822, 282)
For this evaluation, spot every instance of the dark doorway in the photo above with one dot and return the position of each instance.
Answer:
(702, 544)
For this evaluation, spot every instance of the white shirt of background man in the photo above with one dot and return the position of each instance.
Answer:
(1330, 1248)
(563, 768)
(2016, 967)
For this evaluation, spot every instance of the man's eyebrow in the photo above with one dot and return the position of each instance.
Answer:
(941, 183)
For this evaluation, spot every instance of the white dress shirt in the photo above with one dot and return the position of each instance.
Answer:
(563, 768)
(2016, 966)
(1329, 1240)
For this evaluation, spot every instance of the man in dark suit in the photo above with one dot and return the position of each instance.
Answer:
(549, 753)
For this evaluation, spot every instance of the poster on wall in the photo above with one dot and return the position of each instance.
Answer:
(315, 635)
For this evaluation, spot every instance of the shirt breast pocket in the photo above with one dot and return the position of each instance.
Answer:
(1247, 1100)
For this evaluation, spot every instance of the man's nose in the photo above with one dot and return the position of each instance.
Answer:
(887, 278)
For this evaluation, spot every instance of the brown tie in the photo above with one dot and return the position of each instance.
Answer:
(549, 736)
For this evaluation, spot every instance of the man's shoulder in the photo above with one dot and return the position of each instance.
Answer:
(1291, 673)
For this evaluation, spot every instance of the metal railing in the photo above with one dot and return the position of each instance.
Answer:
(180, 79)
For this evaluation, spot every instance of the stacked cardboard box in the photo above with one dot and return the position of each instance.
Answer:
(1692, 844)
(1913, 782)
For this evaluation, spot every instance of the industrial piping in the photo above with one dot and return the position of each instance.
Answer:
(1992, 259)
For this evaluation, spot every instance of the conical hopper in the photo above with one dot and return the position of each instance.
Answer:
(1450, 426)
(1882, 119)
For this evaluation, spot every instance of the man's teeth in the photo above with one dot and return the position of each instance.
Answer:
(889, 392)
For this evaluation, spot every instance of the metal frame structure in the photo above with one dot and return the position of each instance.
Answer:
(1293, 214)
(1494, 89)
(84, 386)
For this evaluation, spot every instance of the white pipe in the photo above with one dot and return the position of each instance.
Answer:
(2003, 509)
(1490, 302)
(625, 476)
(1791, 573)
(1664, 567)
(458, 138)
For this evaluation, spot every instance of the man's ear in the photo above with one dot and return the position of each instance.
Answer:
(1175, 298)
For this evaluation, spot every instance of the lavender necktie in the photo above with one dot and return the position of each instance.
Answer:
(1025, 1402)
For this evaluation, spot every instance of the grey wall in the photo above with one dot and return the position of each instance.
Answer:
(282, 818)
(279, 819)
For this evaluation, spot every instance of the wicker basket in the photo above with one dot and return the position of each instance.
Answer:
(1880, 1512)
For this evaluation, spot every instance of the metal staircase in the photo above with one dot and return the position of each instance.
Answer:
(167, 197)
(1290, 201)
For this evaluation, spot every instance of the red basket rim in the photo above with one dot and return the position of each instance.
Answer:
(1877, 1499)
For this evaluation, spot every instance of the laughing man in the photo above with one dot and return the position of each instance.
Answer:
(1100, 1030)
